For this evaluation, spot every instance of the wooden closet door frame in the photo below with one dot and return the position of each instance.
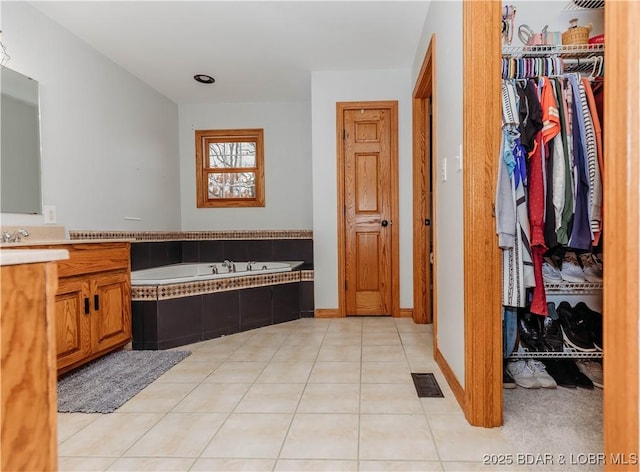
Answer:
(482, 307)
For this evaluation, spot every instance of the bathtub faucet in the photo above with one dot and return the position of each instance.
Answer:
(230, 265)
(214, 269)
(250, 265)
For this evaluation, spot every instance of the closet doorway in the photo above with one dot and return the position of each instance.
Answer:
(483, 396)
(423, 192)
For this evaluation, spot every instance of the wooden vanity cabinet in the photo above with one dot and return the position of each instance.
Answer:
(93, 302)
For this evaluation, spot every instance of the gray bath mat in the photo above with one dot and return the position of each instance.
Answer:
(105, 384)
(426, 385)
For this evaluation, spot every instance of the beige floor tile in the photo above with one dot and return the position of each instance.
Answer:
(214, 357)
(422, 365)
(479, 466)
(307, 339)
(294, 465)
(340, 353)
(296, 353)
(330, 398)
(335, 372)
(110, 435)
(236, 372)
(192, 372)
(400, 466)
(420, 339)
(267, 339)
(157, 397)
(386, 372)
(400, 399)
(450, 431)
(228, 465)
(84, 464)
(326, 436)
(212, 398)
(407, 325)
(442, 406)
(250, 435)
(151, 464)
(383, 354)
(380, 338)
(396, 437)
(253, 353)
(379, 322)
(285, 372)
(71, 423)
(342, 339)
(271, 398)
(178, 435)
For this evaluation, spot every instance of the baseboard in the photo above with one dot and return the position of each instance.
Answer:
(327, 313)
(449, 376)
(406, 312)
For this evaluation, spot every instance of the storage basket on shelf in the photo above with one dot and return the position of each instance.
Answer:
(576, 34)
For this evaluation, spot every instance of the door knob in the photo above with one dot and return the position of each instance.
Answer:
(384, 223)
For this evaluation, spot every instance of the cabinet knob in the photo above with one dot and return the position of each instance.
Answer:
(86, 305)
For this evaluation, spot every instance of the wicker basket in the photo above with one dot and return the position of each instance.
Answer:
(576, 34)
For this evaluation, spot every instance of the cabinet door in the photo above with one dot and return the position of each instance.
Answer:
(111, 304)
(73, 321)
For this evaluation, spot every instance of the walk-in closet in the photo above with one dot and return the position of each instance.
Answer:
(550, 218)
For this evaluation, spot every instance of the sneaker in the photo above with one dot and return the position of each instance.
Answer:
(507, 380)
(593, 320)
(575, 330)
(540, 374)
(551, 330)
(522, 374)
(591, 268)
(582, 381)
(571, 270)
(593, 370)
(550, 272)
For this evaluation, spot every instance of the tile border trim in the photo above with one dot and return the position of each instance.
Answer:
(188, 289)
(138, 236)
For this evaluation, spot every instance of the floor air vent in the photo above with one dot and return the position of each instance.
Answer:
(426, 386)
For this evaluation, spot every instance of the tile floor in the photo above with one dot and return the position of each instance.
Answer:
(308, 395)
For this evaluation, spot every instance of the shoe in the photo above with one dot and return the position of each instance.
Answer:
(530, 332)
(582, 381)
(593, 370)
(571, 270)
(540, 374)
(551, 330)
(575, 330)
(557, 369)
(591, 269)
(507, 380)
(594, 323)
(550, 272)
(522, 374)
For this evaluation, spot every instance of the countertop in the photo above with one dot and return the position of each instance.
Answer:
(30, 256)
(51, 242)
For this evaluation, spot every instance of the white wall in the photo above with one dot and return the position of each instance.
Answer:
(445, 20)
(327, 88)
(109, 142)
(287, 160)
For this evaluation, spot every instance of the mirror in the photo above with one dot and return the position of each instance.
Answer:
(20, 190)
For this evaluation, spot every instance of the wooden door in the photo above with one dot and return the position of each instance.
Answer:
(111, 318)
(73, 321)
(369, 171)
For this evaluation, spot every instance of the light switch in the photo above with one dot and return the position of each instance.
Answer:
(49, 215)
(444, 169)
(459, 159)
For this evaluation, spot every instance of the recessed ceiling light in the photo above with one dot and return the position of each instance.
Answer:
(204, 78)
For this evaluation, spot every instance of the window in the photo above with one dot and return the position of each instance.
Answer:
(230, 168)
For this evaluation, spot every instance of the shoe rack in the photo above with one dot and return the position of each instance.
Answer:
(572, 292)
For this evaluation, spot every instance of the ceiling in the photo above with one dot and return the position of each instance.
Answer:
(256, 50)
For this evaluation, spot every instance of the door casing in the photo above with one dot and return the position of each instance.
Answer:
(392, 106)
